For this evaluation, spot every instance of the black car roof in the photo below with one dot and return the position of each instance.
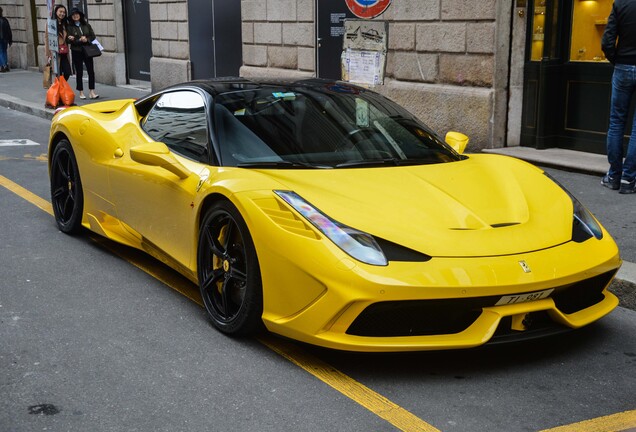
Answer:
(215, 86)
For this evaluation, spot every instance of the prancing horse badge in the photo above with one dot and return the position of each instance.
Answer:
(524, 265)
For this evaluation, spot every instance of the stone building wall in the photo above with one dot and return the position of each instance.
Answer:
(21, 49)
(279, 35)
(170, 61)
(448, 60)
(441, 61)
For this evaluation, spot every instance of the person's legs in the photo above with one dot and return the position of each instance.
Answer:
(628, 179)
(3, 54)
(90, 69)
(622, 89)
(65, 66)
(78, 60)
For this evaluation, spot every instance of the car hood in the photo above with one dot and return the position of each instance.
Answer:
(485, 205)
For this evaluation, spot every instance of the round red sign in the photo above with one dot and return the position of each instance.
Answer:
(367, 8)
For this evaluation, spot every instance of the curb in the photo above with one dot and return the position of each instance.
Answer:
(21, 105)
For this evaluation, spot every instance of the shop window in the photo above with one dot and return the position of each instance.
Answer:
(589, 18)
(538, 30)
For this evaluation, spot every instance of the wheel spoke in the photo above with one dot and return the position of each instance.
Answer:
(213, 242)
(238, 275)
(225, 300)
(229, 233)
(209, 284)
(63, 172)
(59, 192)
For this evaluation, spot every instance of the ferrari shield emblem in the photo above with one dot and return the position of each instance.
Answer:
(524, 265)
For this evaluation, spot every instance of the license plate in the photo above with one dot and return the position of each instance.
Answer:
(520, 298)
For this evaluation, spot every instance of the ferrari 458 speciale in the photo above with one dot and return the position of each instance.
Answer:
(324, 212)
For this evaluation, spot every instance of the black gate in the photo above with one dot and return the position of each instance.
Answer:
(137, 39)
(331, 15)
(215, 38)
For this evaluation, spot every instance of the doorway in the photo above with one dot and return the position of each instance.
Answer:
(137, 39)
(330, 15)
(567, 81)
(215, 38)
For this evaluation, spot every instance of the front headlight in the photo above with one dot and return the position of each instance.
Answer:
(358, 244)
(584, 225)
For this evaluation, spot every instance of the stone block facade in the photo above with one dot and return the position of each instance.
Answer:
(279, 34)
(438, 50)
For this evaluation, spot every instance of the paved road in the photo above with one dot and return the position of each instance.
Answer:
(89, 341)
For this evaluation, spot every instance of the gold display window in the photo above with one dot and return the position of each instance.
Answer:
(538, 30)
(589, 18)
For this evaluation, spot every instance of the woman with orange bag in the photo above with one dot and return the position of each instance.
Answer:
(64, 65)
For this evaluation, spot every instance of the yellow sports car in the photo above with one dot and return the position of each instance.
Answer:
(326, 213)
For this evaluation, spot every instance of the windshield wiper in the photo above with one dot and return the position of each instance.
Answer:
(390, 162)
(370, 163)
(276, 165)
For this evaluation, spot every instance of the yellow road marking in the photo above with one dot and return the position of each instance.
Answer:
(621, 422)
(357, 392)
(27, 195)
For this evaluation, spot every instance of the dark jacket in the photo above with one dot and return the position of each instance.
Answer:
(619, 38)
(84, 29)
(5, 31)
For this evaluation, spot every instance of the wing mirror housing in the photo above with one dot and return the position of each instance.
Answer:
(457, 140)
(158, 154)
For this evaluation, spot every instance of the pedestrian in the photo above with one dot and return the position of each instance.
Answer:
(81, 33)
(64, 66)
(619, 46)
(6, 40)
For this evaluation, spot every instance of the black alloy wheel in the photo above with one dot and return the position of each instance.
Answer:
(228, 271)
(67, 196)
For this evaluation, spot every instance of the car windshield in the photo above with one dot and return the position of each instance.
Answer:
(332, 126)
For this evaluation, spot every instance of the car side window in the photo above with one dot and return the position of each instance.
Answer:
(179, 120)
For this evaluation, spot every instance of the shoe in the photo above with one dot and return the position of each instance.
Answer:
(628, 187)
(4, 69)
(94, 97)
(611, 182)
(82, 96)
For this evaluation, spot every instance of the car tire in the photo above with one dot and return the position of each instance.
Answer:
(67, 196)
(228, 272)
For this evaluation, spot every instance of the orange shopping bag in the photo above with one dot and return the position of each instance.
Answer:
(67, 95)
(53, 95)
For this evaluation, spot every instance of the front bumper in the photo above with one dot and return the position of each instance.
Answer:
(450, 303)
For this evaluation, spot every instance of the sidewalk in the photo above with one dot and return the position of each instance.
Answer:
(22, 90)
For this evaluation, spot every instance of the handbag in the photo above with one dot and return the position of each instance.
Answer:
(46, 76)
(63, 49)
(91, 50)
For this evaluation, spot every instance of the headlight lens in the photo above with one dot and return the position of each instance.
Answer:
(583, 219)
(358, 244)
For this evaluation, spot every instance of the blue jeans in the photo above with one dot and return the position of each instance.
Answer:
(623, 87)
(3, 53)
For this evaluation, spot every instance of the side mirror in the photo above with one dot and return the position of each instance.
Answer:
(158, 154)
(457, 140)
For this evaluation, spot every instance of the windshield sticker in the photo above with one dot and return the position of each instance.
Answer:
(362, 113)
(286, 95)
